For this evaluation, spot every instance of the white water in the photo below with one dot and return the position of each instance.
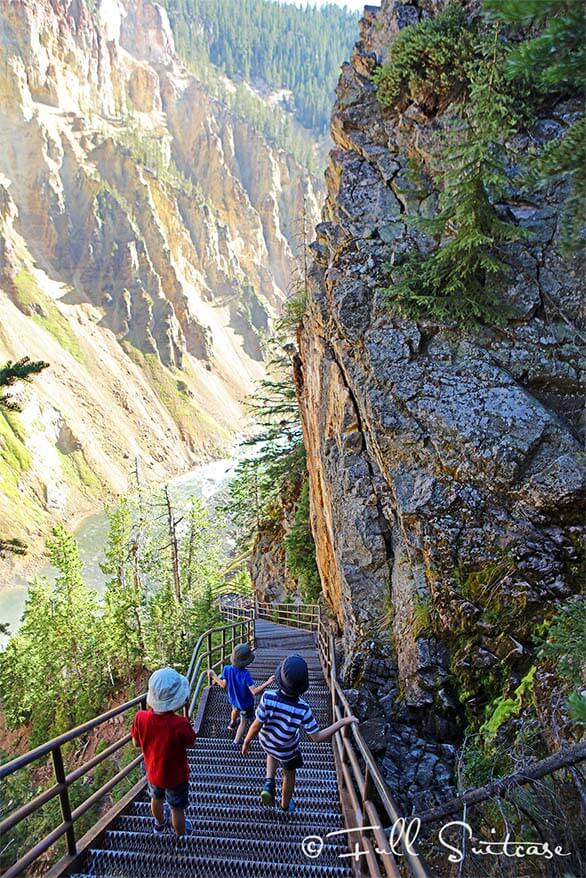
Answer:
(205, 481)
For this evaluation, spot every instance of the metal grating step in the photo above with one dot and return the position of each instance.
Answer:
(208, 826)
(181, 865)
(266, 850)
(223, 748)
(255, 761)
(255, 774)
(253, 812)
(315, 800)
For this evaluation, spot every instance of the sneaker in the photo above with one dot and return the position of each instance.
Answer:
(231, 727)
(267, 794)
(188, 830)
(290, 809)
(161, 827)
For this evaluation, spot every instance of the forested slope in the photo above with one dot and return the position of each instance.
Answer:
(290, 56)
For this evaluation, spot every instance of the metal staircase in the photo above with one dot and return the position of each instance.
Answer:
(343, 802)
(233, 834)
(341, 795)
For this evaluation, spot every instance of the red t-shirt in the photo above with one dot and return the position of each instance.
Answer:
(164, 738)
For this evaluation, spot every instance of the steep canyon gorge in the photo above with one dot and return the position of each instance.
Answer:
(147, 239)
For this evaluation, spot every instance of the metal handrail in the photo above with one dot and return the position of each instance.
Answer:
(202, 659)
(295, 614)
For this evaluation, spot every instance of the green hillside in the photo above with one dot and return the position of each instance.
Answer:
(281, 44)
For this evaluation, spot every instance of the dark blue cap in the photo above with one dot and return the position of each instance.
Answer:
(292, 676)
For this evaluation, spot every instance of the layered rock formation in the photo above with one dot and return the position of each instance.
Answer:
(146, 239)
(445, 465)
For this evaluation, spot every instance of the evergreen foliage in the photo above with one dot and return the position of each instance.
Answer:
(433, 55)
(273, 474)
(282, 45)
(274, 457)
(458, 281)
(124, 596)
(555, 58)
(564, 159)
(10, 373)
(493, 85)
(554, 61)
(566, 643)
(52, 672)
(72, 649)
(300, 550)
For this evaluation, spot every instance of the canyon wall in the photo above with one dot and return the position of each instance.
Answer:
(445, 464)
(147, 236)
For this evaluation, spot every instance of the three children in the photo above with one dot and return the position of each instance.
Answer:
(241, 689)
(164, 736)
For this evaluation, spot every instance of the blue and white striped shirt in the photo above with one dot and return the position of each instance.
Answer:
(282, 718)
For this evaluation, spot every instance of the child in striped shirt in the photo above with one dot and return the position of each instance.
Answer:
(279, 717)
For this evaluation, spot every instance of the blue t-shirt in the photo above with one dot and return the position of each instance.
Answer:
(238, 680)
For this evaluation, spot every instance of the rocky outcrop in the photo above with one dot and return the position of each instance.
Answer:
(268, 566)
(146, 235)
(445, 465)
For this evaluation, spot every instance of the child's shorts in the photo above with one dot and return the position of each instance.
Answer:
(292, 764)
(247, 713)
(177, 797)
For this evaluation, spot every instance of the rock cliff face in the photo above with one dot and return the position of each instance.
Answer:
(146, 239)
(445, 466)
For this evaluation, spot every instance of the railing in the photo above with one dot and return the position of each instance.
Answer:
(226, 637)
(212, 649)
(378, 831)
(293, 615)
(368, 805)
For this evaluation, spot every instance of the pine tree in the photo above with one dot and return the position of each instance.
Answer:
(554, 62)
(77, 629)
(300, 550)
(494, 80)
(10, 373)
(52, 672)
(459, 280)
(124, 595)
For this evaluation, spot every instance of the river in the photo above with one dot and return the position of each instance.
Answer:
(206, 481)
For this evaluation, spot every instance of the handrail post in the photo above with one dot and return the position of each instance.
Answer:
(224, 661)
(59, 770)
(209, 639)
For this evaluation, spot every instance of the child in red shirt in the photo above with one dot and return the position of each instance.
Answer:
(164, 738)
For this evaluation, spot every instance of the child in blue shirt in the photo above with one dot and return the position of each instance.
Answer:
(241, 689)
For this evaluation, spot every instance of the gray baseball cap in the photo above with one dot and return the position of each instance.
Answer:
(242, 655)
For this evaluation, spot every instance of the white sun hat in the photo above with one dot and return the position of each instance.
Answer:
(168, 690)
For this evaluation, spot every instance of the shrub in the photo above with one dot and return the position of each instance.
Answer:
(300, 550)
(431, 56)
